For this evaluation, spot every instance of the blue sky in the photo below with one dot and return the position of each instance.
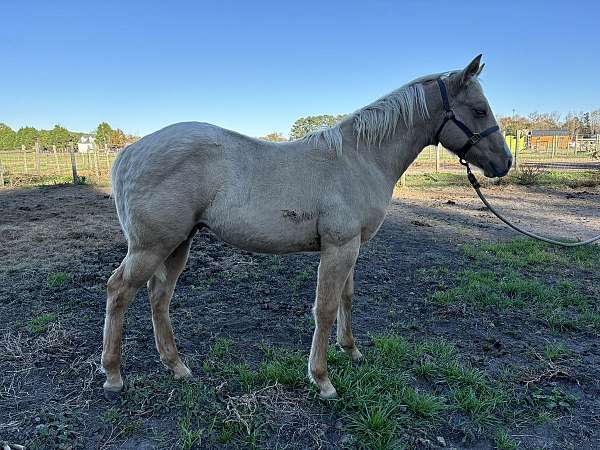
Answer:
(257, 66)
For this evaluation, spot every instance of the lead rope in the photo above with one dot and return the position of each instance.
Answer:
(477, 187)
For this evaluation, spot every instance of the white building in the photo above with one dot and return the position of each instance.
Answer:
(87, 143)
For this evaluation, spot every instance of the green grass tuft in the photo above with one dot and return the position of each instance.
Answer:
(57, 279)
(39, 324)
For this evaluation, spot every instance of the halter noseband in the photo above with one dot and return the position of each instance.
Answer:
(474, 138)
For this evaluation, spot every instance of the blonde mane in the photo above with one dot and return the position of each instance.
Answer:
(378, 121)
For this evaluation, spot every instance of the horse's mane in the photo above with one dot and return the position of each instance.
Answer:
(377, 122)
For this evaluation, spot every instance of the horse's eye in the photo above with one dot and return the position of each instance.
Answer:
(479, 112)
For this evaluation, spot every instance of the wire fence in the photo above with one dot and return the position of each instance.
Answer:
(35, 166)
(436, 159)
(31, 166)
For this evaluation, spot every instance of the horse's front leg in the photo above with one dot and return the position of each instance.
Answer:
(335, 266)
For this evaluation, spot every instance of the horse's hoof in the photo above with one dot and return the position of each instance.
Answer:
(112, 391)
(182, 372)
(112, 396)
(328, 393)
(354, 354)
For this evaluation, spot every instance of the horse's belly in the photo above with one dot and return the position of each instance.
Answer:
(282, 231)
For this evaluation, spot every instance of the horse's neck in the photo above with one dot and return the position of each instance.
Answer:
(394, 156)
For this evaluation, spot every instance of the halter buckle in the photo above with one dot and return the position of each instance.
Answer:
(475, 138)
(449, 114)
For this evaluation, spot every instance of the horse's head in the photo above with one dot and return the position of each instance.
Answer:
(469, 127)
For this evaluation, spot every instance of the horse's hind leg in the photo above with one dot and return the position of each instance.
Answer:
(160, 291)
(345, 339)
(137, 267)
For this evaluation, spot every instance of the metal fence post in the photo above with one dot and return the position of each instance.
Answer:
(437, 158)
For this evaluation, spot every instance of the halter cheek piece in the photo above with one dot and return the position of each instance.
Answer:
(474, 138)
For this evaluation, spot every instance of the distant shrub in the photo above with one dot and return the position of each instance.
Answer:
(528, 176)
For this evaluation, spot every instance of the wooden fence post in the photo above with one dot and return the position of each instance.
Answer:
(26, 170)
(37, 157)
(74, 166)
(96, 165)
(437, 158)
(1, 175)
(56, 159)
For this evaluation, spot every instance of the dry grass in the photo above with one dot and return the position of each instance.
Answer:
(280, 410)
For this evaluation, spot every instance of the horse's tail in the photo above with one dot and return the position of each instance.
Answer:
(117, 178)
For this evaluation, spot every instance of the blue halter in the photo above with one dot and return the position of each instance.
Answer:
(474, 138)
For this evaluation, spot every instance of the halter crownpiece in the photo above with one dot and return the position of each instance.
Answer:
(473, 138)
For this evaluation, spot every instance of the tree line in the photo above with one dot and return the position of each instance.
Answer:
(586, 123)
(60, 137)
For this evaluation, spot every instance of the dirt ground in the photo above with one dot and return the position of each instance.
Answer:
(58, 246)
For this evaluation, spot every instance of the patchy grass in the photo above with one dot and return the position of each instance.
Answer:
(521, 253)
(562, 306)
(57, 279)
(384, 398)
(221, 347)
(526, 177)
(556, 400)
(56, 430)
(505, 442)
(41, 323)
(571, 179)
(555, 351)
(402, 389)
(498, 279)
(433, 180)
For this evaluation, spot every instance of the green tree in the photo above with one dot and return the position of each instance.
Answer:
(103, 134)
(305, 125)
(59, 136)
(510, 124)
(118, 138)
(7, 137)
(45, 138)
(273, 137)
(74, 137)
(545, 121)
(26, 136)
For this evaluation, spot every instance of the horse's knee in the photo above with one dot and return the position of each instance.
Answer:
(324, 312)
(109, 361)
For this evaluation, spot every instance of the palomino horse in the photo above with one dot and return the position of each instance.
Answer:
(326, 192)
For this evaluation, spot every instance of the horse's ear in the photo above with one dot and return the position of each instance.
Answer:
(480, 69)
(471, 70)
